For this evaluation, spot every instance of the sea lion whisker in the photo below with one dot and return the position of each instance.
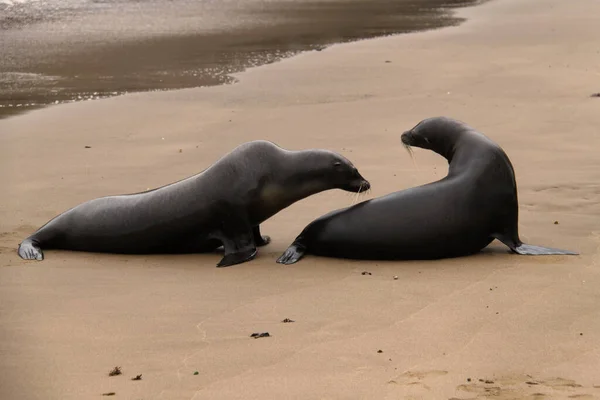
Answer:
(411, 153)
(408, 149)
(357, 194)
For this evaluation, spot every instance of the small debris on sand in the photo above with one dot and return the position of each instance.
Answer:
(555, 222)
(395, 277)
(380, 351)
(532, 383)
(595, 94)
(181, 150)
(196, 372)
(287, 321)
(366, 273)
(259, 335)
(115, 371)
(88, 147)
(137, 378)
(468, 379)
(108, 394)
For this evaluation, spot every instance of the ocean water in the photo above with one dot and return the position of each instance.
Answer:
(54, 51)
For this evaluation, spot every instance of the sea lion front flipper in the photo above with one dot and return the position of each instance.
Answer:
(292, 254)
(238, 241)
(237, 258)
(259, 239)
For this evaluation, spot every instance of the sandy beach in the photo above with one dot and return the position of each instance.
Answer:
(494, 325)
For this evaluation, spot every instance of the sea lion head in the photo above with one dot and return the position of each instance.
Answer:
(330, 170)
(439, 134)
(342, 174)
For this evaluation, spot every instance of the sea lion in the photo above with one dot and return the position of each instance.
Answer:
(223, 205)
(456, 216)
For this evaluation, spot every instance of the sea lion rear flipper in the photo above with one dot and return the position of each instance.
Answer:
(30, 250)
(532, 250)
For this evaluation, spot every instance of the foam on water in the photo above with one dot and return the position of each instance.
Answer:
(13, 2)
(12, 77)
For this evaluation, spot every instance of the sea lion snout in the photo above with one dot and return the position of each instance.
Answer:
(406, 138)
(358, 184)
(415, 139)
(364, 184)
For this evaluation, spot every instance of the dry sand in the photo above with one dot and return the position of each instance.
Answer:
(520, 71)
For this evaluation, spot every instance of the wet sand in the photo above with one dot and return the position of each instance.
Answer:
(529, 327)
(76, 50)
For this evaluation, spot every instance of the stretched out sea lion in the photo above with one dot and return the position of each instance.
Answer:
(455, 216)
(223, 205)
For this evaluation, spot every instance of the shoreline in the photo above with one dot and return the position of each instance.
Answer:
(184, 58)
(520, 72)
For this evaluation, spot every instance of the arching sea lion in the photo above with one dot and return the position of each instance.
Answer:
(455, 216)
(223, 205)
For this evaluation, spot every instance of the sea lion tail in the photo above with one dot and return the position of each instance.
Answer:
(532, 250)
(29, 249)
(293, 254)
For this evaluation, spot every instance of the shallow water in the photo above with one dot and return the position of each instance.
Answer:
(57, 51)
